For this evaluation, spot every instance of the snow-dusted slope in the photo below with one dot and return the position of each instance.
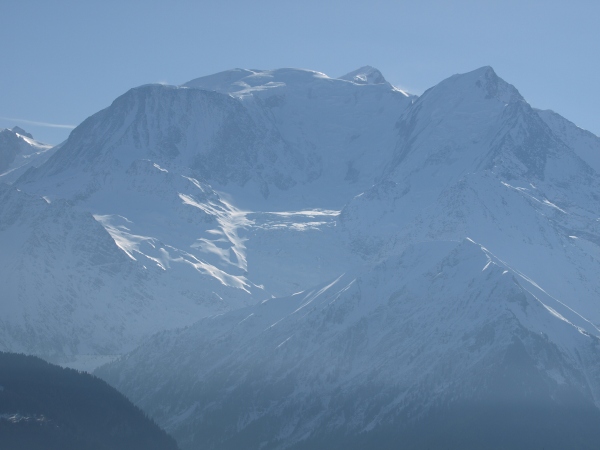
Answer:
(443, 338)
(172, 127)
(247, 185)
(343, 128)
(142, 169)
(584, 143)
(19, 151)
(474, 159)
(294, 137)
(68, 289)
(169, 252)
(499, 337)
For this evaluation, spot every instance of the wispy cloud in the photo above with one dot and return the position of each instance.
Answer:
(39, 124)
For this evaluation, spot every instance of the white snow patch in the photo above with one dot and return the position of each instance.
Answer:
(283, 342)
(246, 318)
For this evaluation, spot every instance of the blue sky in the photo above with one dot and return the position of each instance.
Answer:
(64, 60)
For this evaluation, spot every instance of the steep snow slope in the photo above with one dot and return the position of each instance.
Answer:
(444, 338)
(172, 127)
(474, 159)
(69, 290)
(343, 128)
(178, 253)
(19, 151)
(228, 190)
(584, 143)
(142, 166)
(436, 332)
(296, 137)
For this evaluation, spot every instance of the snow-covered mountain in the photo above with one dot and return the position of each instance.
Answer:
(71, 287)
(377, 357)
(492, 333)
(359, 261)
(476, 160)
(294, 137)
(19, 151)
(147, 169)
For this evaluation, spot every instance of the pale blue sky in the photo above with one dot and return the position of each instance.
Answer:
(64, 60)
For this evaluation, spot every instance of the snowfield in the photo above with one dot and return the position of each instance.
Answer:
(289, 260)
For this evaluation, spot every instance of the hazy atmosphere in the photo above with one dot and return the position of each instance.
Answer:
(299, 226)
(65, 60)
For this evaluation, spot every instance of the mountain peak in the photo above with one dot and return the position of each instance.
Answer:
(21, 131)
(485, 70)
(485, 79)
(365, 75)
(480, 88)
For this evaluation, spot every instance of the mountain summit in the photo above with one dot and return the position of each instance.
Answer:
(18, 152)
(365, 75)
(290, 260)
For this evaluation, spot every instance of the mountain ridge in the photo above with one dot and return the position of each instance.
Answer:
(19, 151)
(287, 179)
(353, 357)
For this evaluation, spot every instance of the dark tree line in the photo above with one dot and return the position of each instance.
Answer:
(44, 406)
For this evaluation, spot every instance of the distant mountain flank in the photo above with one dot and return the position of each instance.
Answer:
(441, 346)
(19, 151)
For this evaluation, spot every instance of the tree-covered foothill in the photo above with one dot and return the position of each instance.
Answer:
(44, 406)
